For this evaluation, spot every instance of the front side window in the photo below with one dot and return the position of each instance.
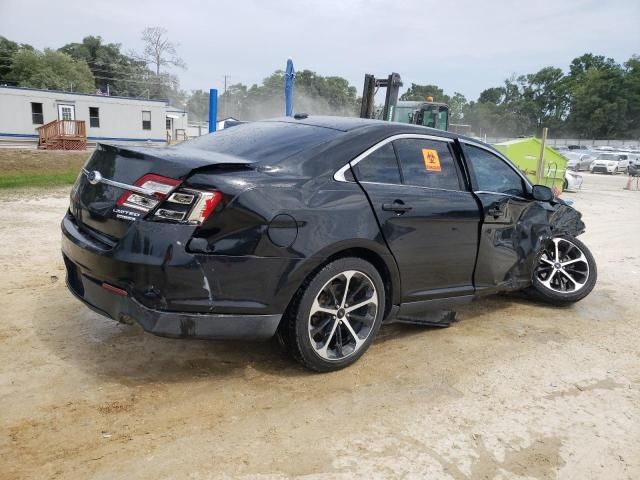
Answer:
(492, 173)
(381, 166)
(427, 163)
(146, 120)
(36, 114)
(94, 117)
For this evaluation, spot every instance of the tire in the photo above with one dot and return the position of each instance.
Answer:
(567, 281)
(321, 336)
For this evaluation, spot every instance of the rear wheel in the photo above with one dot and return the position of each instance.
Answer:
(335, 315)
(565, 271)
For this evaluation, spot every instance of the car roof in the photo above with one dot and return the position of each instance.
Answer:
(349, 124)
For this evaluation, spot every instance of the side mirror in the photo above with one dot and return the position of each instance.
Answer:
(542, 193)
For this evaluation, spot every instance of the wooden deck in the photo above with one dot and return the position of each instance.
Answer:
(63, 135)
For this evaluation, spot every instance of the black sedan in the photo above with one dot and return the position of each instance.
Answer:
(317, 230)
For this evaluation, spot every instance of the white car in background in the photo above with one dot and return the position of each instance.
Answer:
(610, 162)
(572, 181)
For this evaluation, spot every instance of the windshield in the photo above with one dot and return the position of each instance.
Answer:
(609, 156)
(403, 114)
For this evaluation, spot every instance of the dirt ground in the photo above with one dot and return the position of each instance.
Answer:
(513, 390)
(15, 160)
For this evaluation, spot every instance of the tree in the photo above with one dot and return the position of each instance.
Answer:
(198, 105)
(631, 86)
(52, 70)
(457, 105)
(580, 65)
(599, 100)
(492, 95)
(421, 92)
(158, 50)
(7, 50)
(113, 71)
(313, 94)
(545, 98)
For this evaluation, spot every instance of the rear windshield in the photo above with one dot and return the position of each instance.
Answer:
(264, 141)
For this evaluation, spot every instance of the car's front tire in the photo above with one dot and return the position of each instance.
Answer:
(564, 271)
(335, 315)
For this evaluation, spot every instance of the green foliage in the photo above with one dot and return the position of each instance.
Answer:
(421, 92)
(50, 69)
(111, 69)
(313, 93)
(7, 50)
(198, 106)
(597, 98)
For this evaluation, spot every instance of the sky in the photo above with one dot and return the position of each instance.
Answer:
(462, 46)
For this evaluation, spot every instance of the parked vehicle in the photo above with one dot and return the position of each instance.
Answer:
(577, 161)
(316, 230)
(572, 181)
(612, 162)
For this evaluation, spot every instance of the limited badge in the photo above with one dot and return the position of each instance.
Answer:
(431, 160)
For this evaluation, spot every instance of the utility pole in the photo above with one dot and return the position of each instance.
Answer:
(224, 104)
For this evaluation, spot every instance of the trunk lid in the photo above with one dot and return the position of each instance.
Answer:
(95, 206)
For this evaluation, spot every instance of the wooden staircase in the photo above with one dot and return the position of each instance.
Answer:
(63, 135)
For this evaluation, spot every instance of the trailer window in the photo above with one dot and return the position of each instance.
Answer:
(94, 117)
(36, 113)
(146, 120)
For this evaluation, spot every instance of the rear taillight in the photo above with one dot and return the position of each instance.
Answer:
(158, 185)
(183, 205)
(189, 206)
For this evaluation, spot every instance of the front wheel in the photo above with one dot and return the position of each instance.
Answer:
(335, 315)
(564, 271)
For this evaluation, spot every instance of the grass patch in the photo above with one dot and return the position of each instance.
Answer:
(39, 168)
(38, 179)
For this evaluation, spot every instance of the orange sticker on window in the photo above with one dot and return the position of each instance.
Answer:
(431, 160)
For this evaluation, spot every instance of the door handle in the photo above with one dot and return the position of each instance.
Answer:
(397, 206)
(496, 211)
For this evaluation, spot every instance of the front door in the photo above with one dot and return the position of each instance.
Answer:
(506, 241)
(66, 112)
(428, 219)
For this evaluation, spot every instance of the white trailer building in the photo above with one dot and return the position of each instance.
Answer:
(107, 118)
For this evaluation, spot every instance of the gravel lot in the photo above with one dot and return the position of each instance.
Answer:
(513, 390)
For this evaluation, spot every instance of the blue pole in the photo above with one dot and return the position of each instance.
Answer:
(289, 77)
(213, 109)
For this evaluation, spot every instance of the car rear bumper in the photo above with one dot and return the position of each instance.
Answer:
(178, 294)
(168, 324)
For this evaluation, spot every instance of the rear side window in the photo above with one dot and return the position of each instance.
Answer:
(427, 163)
(381, 166)
(492, 173)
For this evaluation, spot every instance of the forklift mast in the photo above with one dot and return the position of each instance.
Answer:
(371, 85)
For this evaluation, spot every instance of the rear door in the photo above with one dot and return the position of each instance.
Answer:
(505, 240)
(427, 217)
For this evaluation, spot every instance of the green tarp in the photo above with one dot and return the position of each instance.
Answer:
(524, 153)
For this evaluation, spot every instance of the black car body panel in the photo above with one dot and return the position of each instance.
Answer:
(282, 216)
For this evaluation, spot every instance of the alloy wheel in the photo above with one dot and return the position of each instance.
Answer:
(342, 315)
(562, 267)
